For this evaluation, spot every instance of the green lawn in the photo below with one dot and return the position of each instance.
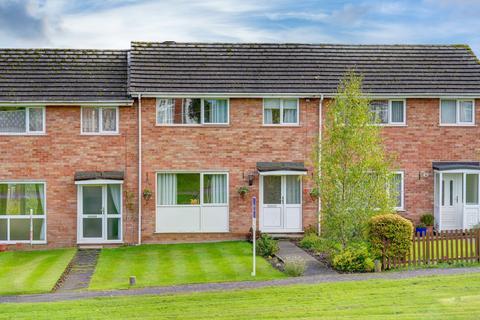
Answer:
(158, 265)
(439, 297)
(32, 271)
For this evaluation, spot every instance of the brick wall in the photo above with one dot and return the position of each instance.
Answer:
(57, 155)
(235, 148)
(421, 142)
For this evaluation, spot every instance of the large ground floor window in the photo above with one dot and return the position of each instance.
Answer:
(192, 202)
(22, 212)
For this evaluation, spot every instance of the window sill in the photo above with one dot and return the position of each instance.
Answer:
(23, 134)
(99, 134)
(392, 125)
(188, 232)
(213, 125)
(281, 125)
(458, 125)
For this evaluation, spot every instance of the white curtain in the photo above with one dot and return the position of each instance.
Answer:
(114, 190)
(217, 190)
(466, 111)
(397, 111)
(165, 110)
(90, 119)
(109, 119)
(167, 189)
(290, 111)
(218, 111)
(293, 189)
(269, 106)
(35, 119)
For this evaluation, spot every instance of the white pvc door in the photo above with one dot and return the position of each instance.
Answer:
(451, 201)
(281, 204)
(100, 213)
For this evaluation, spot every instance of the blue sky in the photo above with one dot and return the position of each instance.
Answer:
(114, 23)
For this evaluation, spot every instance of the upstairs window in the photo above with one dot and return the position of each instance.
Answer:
(192, 111)
(457, 112)
(280, 111)
(99, 120)
(388, 112)
(22, 120)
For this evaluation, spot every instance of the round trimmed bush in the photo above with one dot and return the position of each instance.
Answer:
(392, 229)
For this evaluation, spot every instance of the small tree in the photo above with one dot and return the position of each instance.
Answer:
(354, 168)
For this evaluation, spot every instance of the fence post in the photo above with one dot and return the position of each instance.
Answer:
(477, 241)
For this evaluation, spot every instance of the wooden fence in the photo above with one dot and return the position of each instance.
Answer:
(439, 247)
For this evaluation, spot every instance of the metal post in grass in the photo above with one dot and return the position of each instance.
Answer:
(254, 232)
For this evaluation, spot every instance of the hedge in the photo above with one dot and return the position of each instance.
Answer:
(392, 229)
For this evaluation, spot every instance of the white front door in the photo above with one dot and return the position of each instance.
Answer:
(452, 201)
(99, 213)
(281, 203)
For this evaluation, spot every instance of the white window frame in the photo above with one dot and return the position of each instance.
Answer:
(389, 111)
(402, 186)
(44, 216)
(100, 119)
(202, 114)
(201, 203)
(457, 113)
(283, 124)
(27, 131)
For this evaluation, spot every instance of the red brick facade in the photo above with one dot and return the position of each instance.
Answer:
(235, 148)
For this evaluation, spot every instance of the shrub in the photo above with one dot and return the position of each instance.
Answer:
(392, 229)
(320, 245)
(354, 259)
(427, 219)
(311, 229)
(294, 267)
(250, 234)
(266, 246)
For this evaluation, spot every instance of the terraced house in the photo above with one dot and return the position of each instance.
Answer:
(152, 144)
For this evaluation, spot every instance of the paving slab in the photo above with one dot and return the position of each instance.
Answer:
(81, 271)
(290, 252)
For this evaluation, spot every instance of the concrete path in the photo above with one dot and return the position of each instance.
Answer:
(225, 286)
(80, 274)
(290, 252)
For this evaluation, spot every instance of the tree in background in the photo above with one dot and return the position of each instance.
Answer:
(355, 171)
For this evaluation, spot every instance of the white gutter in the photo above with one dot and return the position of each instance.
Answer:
(69, 103)
(320, 123)
(299, 95)
(139, 169)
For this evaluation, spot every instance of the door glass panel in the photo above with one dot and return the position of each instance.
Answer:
(293, 189)
(471, 189)
(272, 190)
(113, 199)
(113, 228)
(19, 229)
(92, 227)
(92, 200)
(451, 192)
(3, 229)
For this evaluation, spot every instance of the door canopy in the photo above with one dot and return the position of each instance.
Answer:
(99, 177)
(447, 166)
(281, 168)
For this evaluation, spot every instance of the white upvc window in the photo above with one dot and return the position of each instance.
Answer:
(280, 112)
(192, 111)
(99, 120)
(398, 186)
(457, 112)
(23, 212)
(389, 112)
(192, 202)
(22, 120)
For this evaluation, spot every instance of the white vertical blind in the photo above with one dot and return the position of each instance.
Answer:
(449, 111)
(215, 188)
(397, 111)
(167, 189)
